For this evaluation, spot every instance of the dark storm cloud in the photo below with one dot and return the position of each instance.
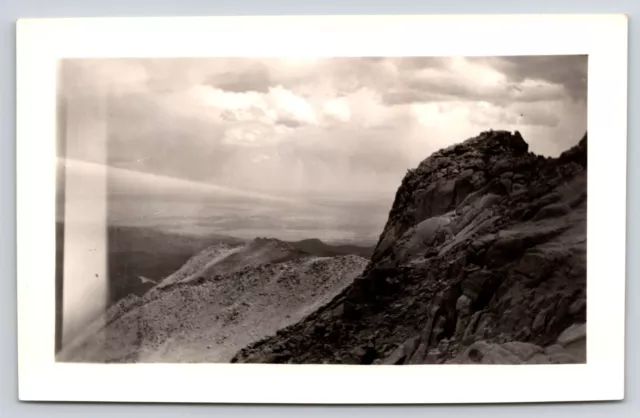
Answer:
(254, 78)
(569, 71)
(421, 91)
(289, 122)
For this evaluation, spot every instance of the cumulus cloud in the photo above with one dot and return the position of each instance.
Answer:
(345, 126)
(337, 110)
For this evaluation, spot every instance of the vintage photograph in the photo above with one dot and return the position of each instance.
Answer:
(349, 210)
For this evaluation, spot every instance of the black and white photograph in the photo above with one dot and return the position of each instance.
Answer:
(359, 210)
(284, 209)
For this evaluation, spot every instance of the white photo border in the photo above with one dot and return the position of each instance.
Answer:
(41, 42)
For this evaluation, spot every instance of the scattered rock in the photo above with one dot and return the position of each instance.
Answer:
(554, 349)
(574, 333)
(523, 350)
(539, 359)
(514, 352)
(563, 358)
(524, 334)
(578, 306)
(552, 211)
(487, 353)
(396, 357)
(470, 331)
(539, 321)
(482, 329)
(432, 356)
(364, 355)
(419, 355)
(410, 347)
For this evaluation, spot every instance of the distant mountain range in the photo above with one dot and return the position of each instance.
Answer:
(140, 257)
(153, 254)
(315, 246)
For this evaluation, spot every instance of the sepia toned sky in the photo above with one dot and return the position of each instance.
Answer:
(285, 124)
(334, 128)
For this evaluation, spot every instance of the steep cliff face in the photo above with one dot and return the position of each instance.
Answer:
(485, 245)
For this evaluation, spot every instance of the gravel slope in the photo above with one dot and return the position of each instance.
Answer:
(222, 299)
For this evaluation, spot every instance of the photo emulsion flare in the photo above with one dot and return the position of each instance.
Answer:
(365, 210)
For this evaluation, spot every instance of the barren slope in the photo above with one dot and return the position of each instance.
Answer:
(221, 300)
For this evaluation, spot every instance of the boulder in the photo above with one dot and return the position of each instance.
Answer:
(575, 333)
(425, 234)
(396, 357)
(578, 306)
(539, 321)
(435, 200)
(419, 356)
(523, 350)
(552, 211)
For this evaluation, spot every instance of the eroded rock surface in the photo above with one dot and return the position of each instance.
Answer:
(482, 259)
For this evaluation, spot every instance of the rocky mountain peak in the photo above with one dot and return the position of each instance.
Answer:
(485, 243)
(494, 162)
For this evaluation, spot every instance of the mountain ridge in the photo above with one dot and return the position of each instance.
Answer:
(223, 298)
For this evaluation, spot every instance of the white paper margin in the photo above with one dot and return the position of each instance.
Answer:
(40, 42)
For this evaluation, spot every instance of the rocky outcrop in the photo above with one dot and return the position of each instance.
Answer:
(484, 252)
(569, 348)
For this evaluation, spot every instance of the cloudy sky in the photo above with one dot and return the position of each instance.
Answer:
(340, 128)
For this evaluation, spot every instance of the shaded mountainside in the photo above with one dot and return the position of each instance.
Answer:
(222, 299)
(315, 246)
(482, 260)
